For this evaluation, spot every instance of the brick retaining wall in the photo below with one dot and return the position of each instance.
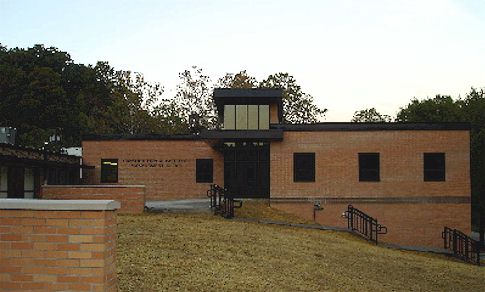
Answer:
(408, 224)
(131, 197)
(57, 245)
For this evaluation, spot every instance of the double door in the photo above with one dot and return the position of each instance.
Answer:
(247, 169)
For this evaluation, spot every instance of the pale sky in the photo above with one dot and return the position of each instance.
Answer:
(349, 55)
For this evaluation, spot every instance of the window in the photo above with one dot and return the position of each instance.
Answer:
(303, 167)
(264, 117)
(204, 170)
(241, 117)
(109, 170)
(369, 167)
(229, 117)
(246, 117)
(434, 166)
(3, 182)
(252, 117)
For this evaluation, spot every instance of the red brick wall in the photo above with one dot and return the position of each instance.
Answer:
(57, 250)
(162, 183)
(401, 159)
(408, 224)
(132, 198)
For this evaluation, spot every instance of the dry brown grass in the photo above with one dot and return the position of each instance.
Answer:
(202, 252)
(260, 209)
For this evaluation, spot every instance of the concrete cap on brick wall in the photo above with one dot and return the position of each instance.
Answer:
(63, 205)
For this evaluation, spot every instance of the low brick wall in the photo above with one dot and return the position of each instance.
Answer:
(57, 245)
(408, 224)
(131, 197)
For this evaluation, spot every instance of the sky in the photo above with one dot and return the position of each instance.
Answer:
(348, 54)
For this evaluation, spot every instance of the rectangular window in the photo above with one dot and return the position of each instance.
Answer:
(434, 166)
(109, 170)
(303, 167)
(264, 117)
(204, 170)
(252, 117)
(229, 117)
(241, 117)
(369, 167)
(3, 182)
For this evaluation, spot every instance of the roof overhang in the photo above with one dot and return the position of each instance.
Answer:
(245, 135)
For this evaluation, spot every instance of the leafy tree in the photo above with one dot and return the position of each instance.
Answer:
(442, 108)
(298, 106)
(238, 80)
(194, 97)
(43, 91)
(370, 115)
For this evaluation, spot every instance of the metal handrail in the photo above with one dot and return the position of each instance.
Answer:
(363, 224)
(462, 246)
(221, 203)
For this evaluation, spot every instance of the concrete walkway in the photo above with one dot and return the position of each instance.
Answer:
(192, 205)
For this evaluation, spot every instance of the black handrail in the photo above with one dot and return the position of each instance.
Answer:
(462, 246)
(363, 224)
(222, 203)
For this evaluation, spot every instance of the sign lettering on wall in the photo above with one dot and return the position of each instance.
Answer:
(155, 162)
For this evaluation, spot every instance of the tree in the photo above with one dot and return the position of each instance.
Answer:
(43, 92)
(370, 115)
(298, 106)
(442, 108)
(238, 80)
(194, 97)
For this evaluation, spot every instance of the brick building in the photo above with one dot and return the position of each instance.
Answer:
(23, 170)
(415, 178)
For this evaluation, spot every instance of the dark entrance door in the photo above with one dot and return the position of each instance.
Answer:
(15, 182)
(246, 169)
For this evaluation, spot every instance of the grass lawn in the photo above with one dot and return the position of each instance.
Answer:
(202, 252)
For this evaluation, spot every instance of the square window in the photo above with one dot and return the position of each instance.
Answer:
(369, 167)
(303, 167)
(434, 166)
(109, 170)
(204, 170)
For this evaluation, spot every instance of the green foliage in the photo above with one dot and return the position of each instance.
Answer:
(194, 97)
(370, 115)
(439, 109)
(298, 106)
(238, 80)
(43, 91)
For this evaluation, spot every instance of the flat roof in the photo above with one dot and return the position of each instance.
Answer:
(317, 127)
(350, 126)
(247, 92)
(139, 137)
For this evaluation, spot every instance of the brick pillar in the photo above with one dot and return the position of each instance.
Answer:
(58, 245)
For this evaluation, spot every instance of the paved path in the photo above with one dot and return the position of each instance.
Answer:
(193, 205)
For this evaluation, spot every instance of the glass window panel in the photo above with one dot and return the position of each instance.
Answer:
(29, 183)
(264, 117)
(109, 170)
(229, 117)
(241, 117)
(434, 167)
(303, 167)
(253, 117)
(204, 169)
(369, 167)
(3, 182)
